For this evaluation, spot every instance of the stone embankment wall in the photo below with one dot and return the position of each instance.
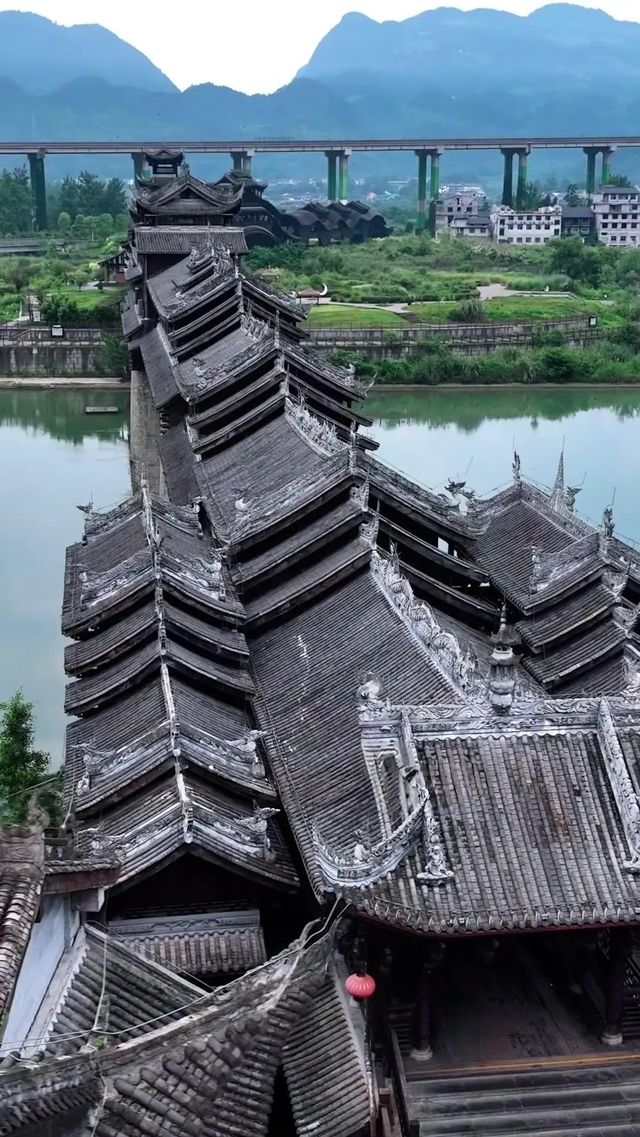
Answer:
(32, 350)
(463, 339)
(53, 358)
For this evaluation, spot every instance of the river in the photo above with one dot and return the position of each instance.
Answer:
(435, 435)
(54, 457)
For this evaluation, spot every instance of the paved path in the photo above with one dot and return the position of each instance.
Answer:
(491, 291)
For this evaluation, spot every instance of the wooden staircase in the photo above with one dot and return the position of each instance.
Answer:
(591, 1097)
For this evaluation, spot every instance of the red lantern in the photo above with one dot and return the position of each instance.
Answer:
(360, 986)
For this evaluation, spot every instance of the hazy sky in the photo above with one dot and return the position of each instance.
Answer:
(251, 45)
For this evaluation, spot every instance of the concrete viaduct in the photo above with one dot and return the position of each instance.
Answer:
(427, 151)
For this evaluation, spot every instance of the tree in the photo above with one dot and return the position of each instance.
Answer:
(57, 309)
(103, 226)
(90, 194)
(22, 767)
(114, 198)
(570, 256)
(532, 198)
(18, 272)
(64, 221)
(69, 197)
(572, 196)
(16, 205)
(80, 276)
(620, 180)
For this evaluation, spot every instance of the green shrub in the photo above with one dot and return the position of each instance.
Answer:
(468, 312)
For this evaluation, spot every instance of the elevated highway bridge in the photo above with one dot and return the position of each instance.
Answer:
(338, 152)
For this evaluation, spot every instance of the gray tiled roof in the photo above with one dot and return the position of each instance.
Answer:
(217, 1062)
(170, 240)
(211, 943)
(110, 987)
(21, 876)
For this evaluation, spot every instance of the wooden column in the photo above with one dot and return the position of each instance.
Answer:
(585, 948)
(621, 943)
(422, 1050)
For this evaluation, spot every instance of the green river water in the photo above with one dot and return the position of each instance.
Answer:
(54, 457)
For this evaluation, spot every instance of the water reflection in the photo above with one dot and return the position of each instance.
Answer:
(53, 457)
(434, 435)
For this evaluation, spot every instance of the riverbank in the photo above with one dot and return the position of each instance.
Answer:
(68, 383)
(391, 388)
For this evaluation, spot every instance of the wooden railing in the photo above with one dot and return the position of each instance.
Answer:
(408, 1128)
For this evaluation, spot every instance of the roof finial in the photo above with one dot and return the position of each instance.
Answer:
(515, 466)
(502, 671)
(276, 330)
(607, 522)
(557, 497)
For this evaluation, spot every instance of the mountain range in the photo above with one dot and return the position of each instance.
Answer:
(562, 70)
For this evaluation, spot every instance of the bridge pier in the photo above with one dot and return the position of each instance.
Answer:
(241, 160)
(592, 154)
(507, 177)
(332, 174)
(434, 185)
(435, 156)
(521, 191)
(343, 175)
(607, 155)
(422, 189)
(38, 190)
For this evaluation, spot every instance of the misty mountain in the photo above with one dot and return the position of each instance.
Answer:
(562, 70)
(41, 56)
(461, 53)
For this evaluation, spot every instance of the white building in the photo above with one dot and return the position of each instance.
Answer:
(617, 215)
(525, 226)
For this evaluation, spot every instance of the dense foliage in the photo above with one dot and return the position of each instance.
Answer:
(88, 196)
(613, 360)
(83, 208)
(22, 766)
(16, 206)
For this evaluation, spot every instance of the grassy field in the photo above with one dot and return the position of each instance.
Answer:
(508, 309)
(342, 316)
(87, 299)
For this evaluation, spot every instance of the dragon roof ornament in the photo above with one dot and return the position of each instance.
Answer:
(253, 326)
(460, 667)
(368, 864)
(248, 834)
(319, 435)
(548, 569)
(100, 764)
(240, 754)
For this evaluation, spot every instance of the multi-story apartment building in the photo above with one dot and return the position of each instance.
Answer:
(452, 205)
(617, 215)
(525, 226)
